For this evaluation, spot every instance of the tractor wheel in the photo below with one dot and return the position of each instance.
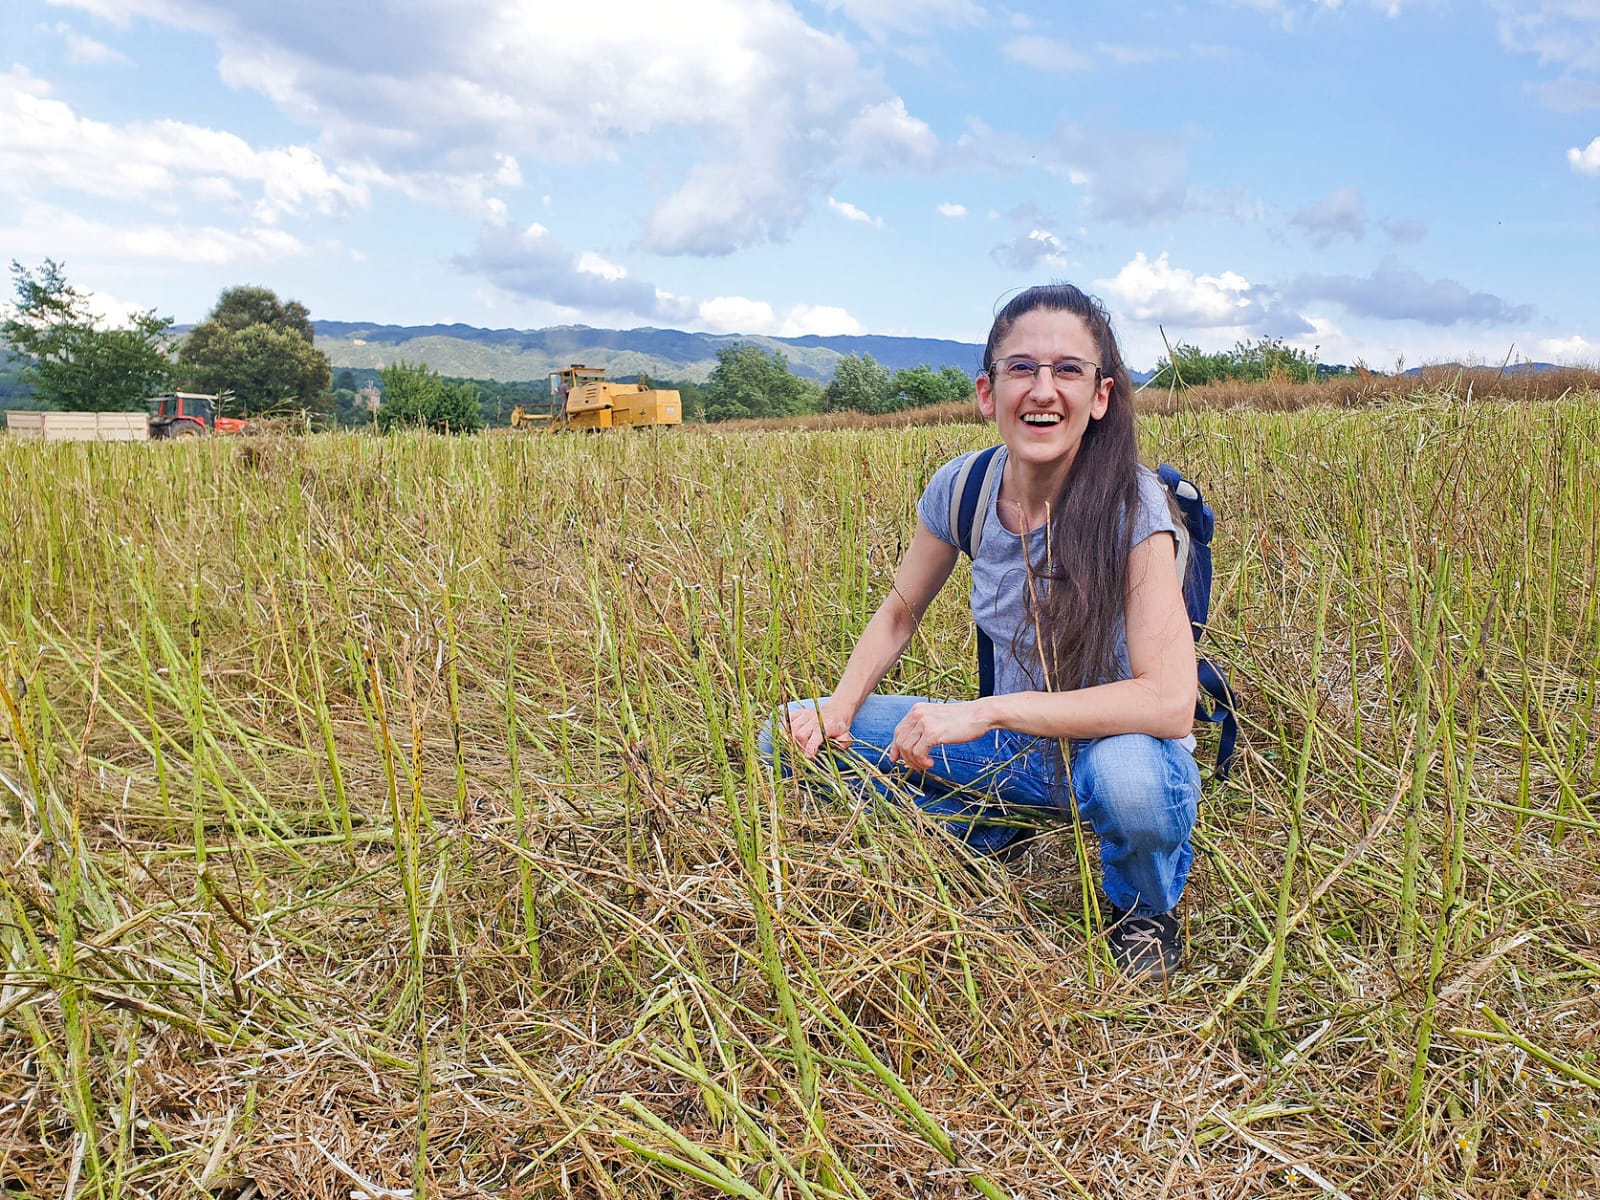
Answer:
(185, 429)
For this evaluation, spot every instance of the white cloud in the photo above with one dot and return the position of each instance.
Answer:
(435, 100)
(951, 210)
(851, 213)
(736, 314)
(532, 264)
(1132, 56)
(819, 320)
(885, 136)
(1047, 54)
(1158, 291)
(45, 143)
(880, 17)
(1576, 349)
(86, 52)
(1565, 32)
(43, 230)
(591, 263)
(1031, 250)
(1587, 160)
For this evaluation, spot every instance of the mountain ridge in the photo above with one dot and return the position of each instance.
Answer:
(470, 351)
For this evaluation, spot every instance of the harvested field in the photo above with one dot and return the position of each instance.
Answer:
(382, 817)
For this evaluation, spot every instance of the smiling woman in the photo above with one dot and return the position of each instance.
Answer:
(1076, 585)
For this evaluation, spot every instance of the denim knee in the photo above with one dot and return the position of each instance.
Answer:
(1143, 787)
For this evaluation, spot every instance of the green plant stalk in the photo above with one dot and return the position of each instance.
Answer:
(519, 796)
(747, 839)
(330, 747)
(1297, 806)
(1423, 633)
(452, 665)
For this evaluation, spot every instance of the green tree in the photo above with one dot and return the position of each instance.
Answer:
(919, 386)
(1249, 362)
(858, 385)
(72, 364)
(260, 349)
(748, 382)
(415, 396)
(457, 408)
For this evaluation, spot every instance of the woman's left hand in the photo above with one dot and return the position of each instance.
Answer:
(928, 725)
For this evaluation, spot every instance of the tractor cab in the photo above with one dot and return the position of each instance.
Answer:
(182, 414)
(188, 414)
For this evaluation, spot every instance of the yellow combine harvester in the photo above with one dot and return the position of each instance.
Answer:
(582, 398)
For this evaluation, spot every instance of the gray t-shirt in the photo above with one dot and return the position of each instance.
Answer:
(999, 573)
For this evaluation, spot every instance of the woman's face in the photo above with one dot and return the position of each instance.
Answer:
(1042, 416)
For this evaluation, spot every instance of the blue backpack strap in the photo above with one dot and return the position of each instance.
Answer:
(1200, 523)
(975, 482)
(969, 506)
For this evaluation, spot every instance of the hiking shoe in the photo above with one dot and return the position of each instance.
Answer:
(1146, 948)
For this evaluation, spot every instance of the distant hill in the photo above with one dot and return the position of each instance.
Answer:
(466, 351)
(1516, 368)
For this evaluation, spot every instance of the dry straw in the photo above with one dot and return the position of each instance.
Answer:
(383, 817)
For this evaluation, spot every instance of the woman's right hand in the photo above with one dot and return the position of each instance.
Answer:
(812, 726)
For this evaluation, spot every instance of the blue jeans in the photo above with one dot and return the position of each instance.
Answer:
(1138, 793)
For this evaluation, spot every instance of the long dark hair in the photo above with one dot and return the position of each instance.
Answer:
(1079, 597)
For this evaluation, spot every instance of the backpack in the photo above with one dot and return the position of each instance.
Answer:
(975, 483)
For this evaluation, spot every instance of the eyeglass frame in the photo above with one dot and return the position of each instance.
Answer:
(1019, 359)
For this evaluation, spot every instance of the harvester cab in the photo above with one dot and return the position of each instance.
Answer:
(583, 398)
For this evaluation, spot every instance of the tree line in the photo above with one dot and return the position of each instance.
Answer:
(258, 353)
(253, 347)
(1266, 358)
(750, 382)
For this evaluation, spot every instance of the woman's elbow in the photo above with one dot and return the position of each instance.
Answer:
(1172, 714)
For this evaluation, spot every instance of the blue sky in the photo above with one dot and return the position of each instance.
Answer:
(1415, 179)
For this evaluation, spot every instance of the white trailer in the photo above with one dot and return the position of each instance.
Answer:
(79, 426)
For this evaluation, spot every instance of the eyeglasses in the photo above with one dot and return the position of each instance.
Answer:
(1067, 370)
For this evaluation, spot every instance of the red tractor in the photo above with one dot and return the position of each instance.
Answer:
(188, 414)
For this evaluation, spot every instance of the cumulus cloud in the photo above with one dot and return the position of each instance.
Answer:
(1157, 291)
(1153, 291)
(740, 314)
(736, 314)
(435, 99)
(1395, 293)
(45, 143)
(1031, 250)
(1341, 214)
(851, 213)
(885, 137)
(1577, 350)
(951, 210)
(43, 230)
(590, 263)
(819, 320)
(1587, 160)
